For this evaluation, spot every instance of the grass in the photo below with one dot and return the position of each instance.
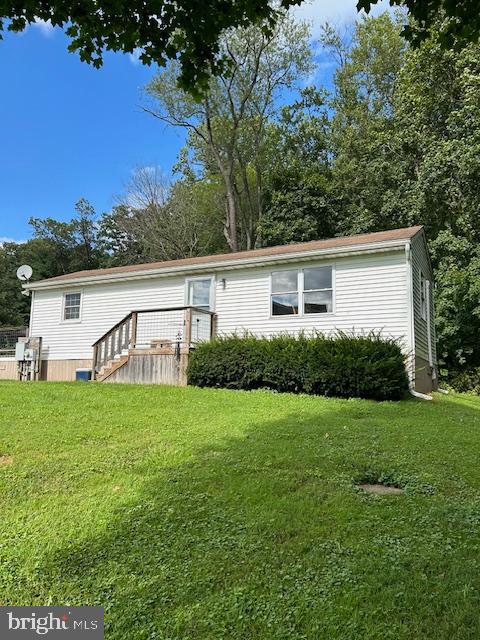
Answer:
(206, 514)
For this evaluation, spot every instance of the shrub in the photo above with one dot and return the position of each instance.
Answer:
(465, 381)
(345, 366)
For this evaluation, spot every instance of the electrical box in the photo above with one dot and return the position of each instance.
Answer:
(28, 356)
(20, 351)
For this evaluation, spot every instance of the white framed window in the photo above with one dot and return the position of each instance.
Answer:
(284, 295)
(317, 290)
(72, 306)
(302, 291)
(199, 293)
(423, 296)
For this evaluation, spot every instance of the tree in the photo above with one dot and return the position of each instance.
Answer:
(73, 242)
(159, 221)
(299, 203)
(462, 23)
(228, 126)
(190, 31)
(457, 275)
(56, 248)
(406, 150)
(364, 164)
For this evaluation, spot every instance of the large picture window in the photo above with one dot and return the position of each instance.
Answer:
(317, 290)
(284, 293)
(71, 306)
(302, 291)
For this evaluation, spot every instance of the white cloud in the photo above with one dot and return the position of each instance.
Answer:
(340, 11)
(44, 26)
(4, 239)
(135, 56)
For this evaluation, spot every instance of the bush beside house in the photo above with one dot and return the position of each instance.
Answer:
(344, 366)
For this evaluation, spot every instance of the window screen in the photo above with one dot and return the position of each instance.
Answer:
(72, 306)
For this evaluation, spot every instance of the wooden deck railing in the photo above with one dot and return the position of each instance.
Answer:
(149, 328)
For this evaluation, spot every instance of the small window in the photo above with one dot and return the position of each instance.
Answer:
(318, 292)
(198, 293)
(423, 296)
(71, 309)
(284, 293)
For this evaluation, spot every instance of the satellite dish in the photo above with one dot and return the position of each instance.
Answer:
(24, 272)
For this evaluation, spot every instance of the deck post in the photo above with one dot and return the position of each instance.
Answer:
(213, 325)
(94, 362)
(188, 327)
(133, 334)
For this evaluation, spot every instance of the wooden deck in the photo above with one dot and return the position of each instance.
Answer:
(151, 346)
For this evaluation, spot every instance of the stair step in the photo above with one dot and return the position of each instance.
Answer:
(111, 366)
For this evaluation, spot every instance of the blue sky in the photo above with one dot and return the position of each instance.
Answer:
(71, 131)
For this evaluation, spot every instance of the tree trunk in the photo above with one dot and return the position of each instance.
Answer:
(230, 228)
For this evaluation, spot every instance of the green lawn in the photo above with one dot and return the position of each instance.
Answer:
(203, 514)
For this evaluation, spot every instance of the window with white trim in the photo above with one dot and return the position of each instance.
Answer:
(302, 291)
(71, 306)
(199, 293)
(317, 290)
(284, 296)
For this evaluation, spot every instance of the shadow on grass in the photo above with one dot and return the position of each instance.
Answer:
(264, 537)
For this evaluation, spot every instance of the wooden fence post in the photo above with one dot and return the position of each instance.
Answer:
(213, 325)
(188, 326)
(133, 334)
(94, 363)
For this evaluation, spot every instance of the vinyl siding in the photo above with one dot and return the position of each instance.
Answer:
(369, 294)
(102, 307)
(421, 263)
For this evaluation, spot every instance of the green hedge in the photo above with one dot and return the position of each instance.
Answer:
(465, 381)
(344, 366)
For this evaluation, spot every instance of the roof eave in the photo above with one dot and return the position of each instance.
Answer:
(373, 247)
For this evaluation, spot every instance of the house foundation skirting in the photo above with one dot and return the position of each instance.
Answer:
(424, 381)
(8, 369)
(62, 370)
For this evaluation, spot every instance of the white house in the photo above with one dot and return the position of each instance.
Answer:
(377, 281)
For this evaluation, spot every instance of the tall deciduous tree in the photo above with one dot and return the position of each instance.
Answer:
(229, 123)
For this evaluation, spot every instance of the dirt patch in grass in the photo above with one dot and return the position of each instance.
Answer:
(6, 460)
(380, 489)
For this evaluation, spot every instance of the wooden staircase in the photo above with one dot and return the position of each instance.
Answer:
(118, 347)
(111, 367)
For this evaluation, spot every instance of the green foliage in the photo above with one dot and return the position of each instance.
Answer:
(457, 300)
(298, 210)
(298, 201)
(343, 366)
(466, 381)
(56, 248)
(461, 20)
(190, 31)
(405, 145)
(187, 31)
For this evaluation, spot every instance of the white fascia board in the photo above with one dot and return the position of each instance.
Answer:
(209, 267)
